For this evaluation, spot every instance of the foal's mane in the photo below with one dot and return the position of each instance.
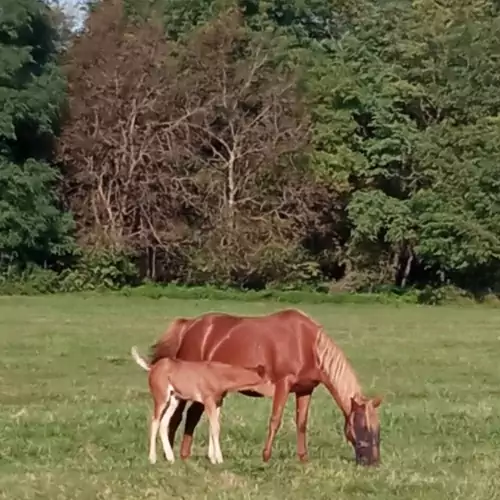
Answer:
(337, 369)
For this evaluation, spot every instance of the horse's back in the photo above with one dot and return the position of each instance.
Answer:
(282, 342)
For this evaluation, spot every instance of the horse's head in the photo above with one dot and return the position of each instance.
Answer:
(362, 429)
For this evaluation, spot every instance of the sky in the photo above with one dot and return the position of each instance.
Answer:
(72, 8)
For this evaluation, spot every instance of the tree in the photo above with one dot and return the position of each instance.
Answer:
(186, 150)
(400, 106)
(32, 227)
(254, 141)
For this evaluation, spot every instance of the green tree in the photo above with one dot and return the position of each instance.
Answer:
(405, 122)
(405, 146)
(32, 227)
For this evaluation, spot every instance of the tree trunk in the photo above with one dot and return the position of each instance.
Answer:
(406, 272)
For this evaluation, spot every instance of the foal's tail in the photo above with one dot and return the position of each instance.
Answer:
(139, 360)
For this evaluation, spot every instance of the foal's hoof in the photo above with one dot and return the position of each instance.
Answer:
(214, 459)
(266, 455)
(303, 457)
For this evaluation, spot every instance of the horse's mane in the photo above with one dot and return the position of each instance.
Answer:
(334, 364)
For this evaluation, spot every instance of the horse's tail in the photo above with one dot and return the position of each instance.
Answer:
(139, 359)
(169, 343)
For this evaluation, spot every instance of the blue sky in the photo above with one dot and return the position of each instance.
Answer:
(72, 8)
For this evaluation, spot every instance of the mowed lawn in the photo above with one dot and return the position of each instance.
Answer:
(74, 407)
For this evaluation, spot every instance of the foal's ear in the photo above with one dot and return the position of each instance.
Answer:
(376, 401)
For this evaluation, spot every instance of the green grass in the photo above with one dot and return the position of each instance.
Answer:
(74, 407)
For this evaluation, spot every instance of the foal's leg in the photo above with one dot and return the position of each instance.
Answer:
(193, 416)
(281, 392)
(210, 453)
(159, 408)
(213, 413)
(211, 448)
(218, 451)
(302, 403)
(164, 424)
(153, 432)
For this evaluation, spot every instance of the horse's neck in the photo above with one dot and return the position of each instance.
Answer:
(338, 375)
(341, 395)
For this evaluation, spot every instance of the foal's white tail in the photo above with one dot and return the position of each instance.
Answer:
(138, 359)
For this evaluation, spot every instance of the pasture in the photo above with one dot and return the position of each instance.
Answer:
(75, 408)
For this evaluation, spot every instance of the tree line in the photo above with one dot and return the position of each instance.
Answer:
(253, 143)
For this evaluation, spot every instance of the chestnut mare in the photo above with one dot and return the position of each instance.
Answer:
(297, 355)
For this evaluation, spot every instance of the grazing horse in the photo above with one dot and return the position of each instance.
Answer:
(297, 356)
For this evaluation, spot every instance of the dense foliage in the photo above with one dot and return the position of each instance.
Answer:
(256, 142)
(33, 230)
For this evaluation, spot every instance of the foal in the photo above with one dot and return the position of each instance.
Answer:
(173, 380)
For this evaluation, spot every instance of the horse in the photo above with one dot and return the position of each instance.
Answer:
(297, 355)
(207, 382)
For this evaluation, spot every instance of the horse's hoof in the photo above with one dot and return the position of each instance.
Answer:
(266, 455)
(303, 458)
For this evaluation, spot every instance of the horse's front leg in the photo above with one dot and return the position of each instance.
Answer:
(282, 389)
(302, 403)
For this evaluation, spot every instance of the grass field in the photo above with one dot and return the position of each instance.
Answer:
(74, 407)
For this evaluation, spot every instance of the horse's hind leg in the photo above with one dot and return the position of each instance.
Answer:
(175, 422)
(302, 403)
(193, 416)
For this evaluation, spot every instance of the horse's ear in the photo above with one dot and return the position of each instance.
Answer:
(376, 401)
(356, 403)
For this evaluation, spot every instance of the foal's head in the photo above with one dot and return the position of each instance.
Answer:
(362, 429)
